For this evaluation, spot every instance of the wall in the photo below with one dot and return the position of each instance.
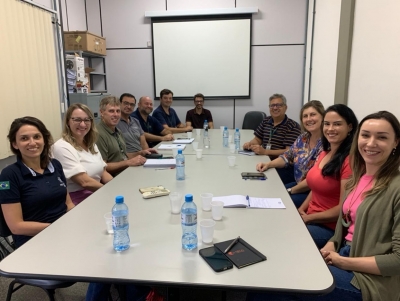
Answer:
(278, 49)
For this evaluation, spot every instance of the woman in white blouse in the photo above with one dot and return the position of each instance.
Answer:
(80, 158)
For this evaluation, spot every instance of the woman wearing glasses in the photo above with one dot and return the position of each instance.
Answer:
(82, 163)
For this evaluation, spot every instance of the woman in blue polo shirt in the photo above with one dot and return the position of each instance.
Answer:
(33, 191)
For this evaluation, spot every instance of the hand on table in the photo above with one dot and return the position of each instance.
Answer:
(168, 137)
(262, 166)
(258, 149)
(136, 161)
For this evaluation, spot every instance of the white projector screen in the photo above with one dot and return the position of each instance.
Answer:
(208, 56)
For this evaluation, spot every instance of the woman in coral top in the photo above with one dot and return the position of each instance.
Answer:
(329, 174)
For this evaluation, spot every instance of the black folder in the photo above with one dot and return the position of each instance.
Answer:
(241, 254)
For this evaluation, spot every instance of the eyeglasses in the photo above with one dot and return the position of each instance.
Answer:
(276, 105)
(128, 104)
(199, 101)
(79, 120)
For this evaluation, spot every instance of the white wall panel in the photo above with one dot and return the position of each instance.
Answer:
(277, 69)
(130, 71)
(93, 16)
(278, 21)
(325, 50)
(76, 15)
(375, 59)
(199, 4)
(124, 24)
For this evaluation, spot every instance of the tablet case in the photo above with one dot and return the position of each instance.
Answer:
(241, 254)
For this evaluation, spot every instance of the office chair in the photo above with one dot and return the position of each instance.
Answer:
(252, 120)
(49, 286)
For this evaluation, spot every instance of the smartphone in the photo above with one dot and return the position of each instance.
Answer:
(154, 156)
(216, 259)
(253, 175)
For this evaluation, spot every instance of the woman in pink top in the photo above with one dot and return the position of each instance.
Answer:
(329, 174)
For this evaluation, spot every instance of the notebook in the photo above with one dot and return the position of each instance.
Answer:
(183, 141)
(157, 163)
(171, 146)
(241, 201)
(241, 254)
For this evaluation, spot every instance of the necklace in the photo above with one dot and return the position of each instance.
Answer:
(346, 218)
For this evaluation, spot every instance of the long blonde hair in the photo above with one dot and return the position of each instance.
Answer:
(90, 138)
(388, 170)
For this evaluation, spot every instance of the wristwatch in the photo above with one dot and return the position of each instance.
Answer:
(289, 190)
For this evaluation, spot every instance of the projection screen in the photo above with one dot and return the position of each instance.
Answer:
(209, 56)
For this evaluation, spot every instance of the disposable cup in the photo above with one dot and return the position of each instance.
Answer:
(198, 132)
(176, 202)
(231, 161)
(230, 138)
(232, 148)
(108, 220)
(216, 210)
(199, 153)
(206, 199)
(195, 145)
(174, 152)
(207, 230)
(189, 134)
(222, 127)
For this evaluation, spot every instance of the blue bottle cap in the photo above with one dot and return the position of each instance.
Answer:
(119, 199)
(179, 151)
(225, 128)
(189, 198)
(237, 130)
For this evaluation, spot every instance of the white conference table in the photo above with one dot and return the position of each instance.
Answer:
(215, 136)
(76, 247)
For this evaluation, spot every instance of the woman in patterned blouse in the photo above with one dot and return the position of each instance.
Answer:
(301, 156)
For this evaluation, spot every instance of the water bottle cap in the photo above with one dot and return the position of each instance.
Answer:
(119, 199)
(179, 151)
(189, 198)
(225, 128)
(237, 130)
(205, 121)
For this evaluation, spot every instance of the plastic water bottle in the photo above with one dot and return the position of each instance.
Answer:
(120, 223)
(237, 140)
(189, 223)
(225, 139)
(206, 139)
(180, 166)
(205, 126)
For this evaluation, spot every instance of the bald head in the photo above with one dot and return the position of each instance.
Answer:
(145, 105)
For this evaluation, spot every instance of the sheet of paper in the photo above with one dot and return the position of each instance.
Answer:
(171, 146)
(160, 163)
(183, 141)
(270, 203)
(246, 152)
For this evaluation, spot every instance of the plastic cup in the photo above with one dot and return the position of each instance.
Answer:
(189, 134)
(206, 199)
(216, 210)
(198, 132)
(199, 153)
(207, 230)
(174, 152)
(231, 161)
(108, 220)
(232, 148)
(230, 138)
(176, 202)
(195, 145)
(222, 127)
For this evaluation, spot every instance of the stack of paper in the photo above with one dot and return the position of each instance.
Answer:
(171, 146)
(241, 201)
(160, 163)
(183, 140)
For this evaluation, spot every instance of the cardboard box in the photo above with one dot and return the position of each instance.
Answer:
(84, 41)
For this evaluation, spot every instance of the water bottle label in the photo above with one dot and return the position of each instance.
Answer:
(120, 221)
(189, 219)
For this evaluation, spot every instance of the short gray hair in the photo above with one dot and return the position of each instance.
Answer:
(109, 100)
(281, 96)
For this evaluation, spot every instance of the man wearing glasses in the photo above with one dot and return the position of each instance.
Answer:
(276, 133)
(131, 130)
(198, 115)
(111, 143)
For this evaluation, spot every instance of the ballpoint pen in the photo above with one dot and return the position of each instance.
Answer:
(232, 244)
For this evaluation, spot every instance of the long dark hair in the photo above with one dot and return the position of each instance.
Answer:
(334, 166)
(388, 170)
(45, 156)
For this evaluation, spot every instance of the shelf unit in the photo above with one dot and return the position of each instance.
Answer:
(98, 78)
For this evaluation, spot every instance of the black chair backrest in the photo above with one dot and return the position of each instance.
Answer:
(4, 230)
(253, 119)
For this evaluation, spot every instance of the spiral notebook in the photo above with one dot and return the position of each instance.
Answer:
(241, 254)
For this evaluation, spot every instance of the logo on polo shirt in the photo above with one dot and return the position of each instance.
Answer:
(61, 181)
(4, 185)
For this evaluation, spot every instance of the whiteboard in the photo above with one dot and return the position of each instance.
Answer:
(208, 56)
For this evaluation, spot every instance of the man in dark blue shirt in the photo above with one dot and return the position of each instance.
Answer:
(167, 115)
(154, 132)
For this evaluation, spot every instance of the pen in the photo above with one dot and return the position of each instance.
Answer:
(232, 244)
